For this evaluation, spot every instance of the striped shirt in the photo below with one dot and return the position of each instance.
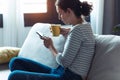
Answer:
(78, 50)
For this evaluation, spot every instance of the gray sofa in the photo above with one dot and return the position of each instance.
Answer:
(106, 61)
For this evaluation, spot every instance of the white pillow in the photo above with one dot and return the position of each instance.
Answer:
(34, 49)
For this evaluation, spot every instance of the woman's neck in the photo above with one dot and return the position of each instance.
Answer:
(76, 20)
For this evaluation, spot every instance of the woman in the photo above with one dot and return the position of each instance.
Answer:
(74, 62)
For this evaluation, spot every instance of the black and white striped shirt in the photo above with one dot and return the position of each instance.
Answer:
(78, 50)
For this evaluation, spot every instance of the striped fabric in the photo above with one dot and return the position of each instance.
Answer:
(78, 50)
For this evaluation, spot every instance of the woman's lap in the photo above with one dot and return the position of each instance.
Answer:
(24, 75)
(24, 64)
(25, 69)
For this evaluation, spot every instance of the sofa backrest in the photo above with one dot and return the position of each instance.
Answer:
(106, 62)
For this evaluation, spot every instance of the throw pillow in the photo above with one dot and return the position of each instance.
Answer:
(6, 53)
(34, 49)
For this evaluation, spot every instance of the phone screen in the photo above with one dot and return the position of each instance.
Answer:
(39, 34)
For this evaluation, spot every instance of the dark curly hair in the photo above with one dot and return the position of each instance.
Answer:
(78, 7)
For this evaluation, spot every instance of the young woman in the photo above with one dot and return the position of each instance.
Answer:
(74, 62)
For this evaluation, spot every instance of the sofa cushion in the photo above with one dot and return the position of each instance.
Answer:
(34, 49)
(106, 62)
(6, 53)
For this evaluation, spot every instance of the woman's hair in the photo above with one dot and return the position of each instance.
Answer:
(78, 7)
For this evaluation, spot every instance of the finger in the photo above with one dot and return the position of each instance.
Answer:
(43, 38)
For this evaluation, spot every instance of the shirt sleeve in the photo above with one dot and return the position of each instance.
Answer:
(71, 49)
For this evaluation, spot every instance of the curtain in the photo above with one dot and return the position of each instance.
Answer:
(111, 15)
(96, 16)
(20, 23)
(9, 29)
(13, 24)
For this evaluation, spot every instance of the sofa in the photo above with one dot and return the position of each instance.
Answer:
(106, 61)
(104, 66)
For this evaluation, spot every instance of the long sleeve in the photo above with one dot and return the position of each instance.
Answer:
(78, 50)
(71, 49)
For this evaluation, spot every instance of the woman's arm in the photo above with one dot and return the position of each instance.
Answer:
(71, 48)
(48, 43)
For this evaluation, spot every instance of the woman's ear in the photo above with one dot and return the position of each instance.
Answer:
(69, 10)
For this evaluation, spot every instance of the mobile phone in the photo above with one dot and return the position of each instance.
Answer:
(39, 35)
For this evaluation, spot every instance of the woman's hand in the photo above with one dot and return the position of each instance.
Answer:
(47, 42)
(64, 31)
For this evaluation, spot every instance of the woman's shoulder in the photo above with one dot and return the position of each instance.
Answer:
(83, 26)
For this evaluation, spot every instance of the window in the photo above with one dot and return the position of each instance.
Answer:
(47, 12)
(34, 6)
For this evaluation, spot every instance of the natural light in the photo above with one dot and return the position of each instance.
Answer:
(3, 7)
(87, 0)
(30, 6)
(34, 6)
